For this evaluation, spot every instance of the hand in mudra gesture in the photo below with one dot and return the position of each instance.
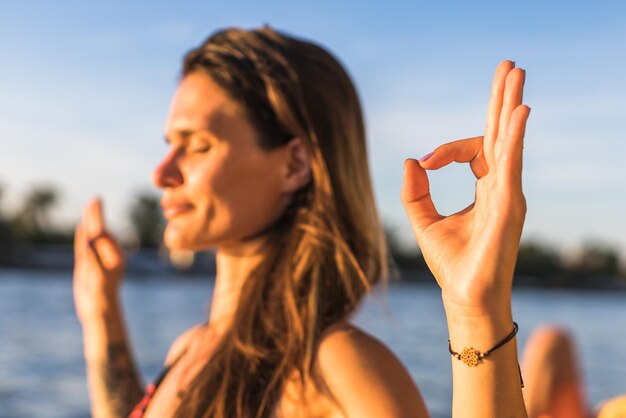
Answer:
(472, 253)
(98, 267)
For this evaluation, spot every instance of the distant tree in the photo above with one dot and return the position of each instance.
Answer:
(537, 260)
(6, 234)
(622, 273)
(146, 218)
(391, 236)
(32, 221)
(2, 216)
(402, 258)
(596, 260)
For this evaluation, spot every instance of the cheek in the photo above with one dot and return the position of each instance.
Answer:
(222, 190)
(250, 192)
(202, 181)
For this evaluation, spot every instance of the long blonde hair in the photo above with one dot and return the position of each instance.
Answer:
(327, 250)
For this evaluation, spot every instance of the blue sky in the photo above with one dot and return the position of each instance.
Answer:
(85, 88)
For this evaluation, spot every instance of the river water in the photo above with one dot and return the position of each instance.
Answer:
(42, 372)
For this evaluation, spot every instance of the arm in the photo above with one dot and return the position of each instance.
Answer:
(472, 253)
(114, 384)
(113, 381)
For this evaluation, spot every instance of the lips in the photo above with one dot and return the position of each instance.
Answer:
(173, 209)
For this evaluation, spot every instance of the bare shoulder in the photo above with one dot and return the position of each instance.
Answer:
(182, 342)
(364, 376)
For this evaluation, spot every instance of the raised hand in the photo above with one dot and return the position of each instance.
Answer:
(472, 253)
(98, 267)
(112, 377)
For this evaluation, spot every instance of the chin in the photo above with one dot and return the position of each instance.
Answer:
(176, 241)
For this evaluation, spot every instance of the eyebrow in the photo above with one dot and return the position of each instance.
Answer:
(185, 134)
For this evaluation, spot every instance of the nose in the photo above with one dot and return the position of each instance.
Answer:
(167, 173)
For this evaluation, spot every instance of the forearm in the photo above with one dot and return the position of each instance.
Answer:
(114, 384)
(492, 389)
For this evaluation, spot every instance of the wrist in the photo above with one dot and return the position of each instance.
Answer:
(479, 331)
(102, 329)
(100, 311)
(98, 341)
(479, 318)
(488, 305)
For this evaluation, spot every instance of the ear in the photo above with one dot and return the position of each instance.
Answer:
(297, 172)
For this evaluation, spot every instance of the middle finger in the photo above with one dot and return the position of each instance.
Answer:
(513, 92)
(494, 109)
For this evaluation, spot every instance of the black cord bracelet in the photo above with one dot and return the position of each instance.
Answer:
(473, 357)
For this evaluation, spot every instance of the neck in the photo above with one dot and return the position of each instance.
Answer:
(233, 264)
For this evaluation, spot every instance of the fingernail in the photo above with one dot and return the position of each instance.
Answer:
(425, 157)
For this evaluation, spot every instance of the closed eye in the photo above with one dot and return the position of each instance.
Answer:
(198, 145)
(191, 142)
(201, 149)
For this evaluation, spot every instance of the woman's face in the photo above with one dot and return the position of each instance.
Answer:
(220, 189)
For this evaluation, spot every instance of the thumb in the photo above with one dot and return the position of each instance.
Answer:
(111, 254)
(416, 198)
(107, 251)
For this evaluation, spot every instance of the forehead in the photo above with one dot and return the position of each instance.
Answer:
(200, 104)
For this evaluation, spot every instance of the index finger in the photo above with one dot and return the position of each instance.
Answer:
(468, 150)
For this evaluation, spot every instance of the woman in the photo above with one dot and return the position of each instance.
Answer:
(267, 164)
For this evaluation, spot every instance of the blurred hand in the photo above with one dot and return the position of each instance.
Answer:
(98, 266)
(472, 253)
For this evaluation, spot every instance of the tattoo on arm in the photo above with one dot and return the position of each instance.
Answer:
(121, 380)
